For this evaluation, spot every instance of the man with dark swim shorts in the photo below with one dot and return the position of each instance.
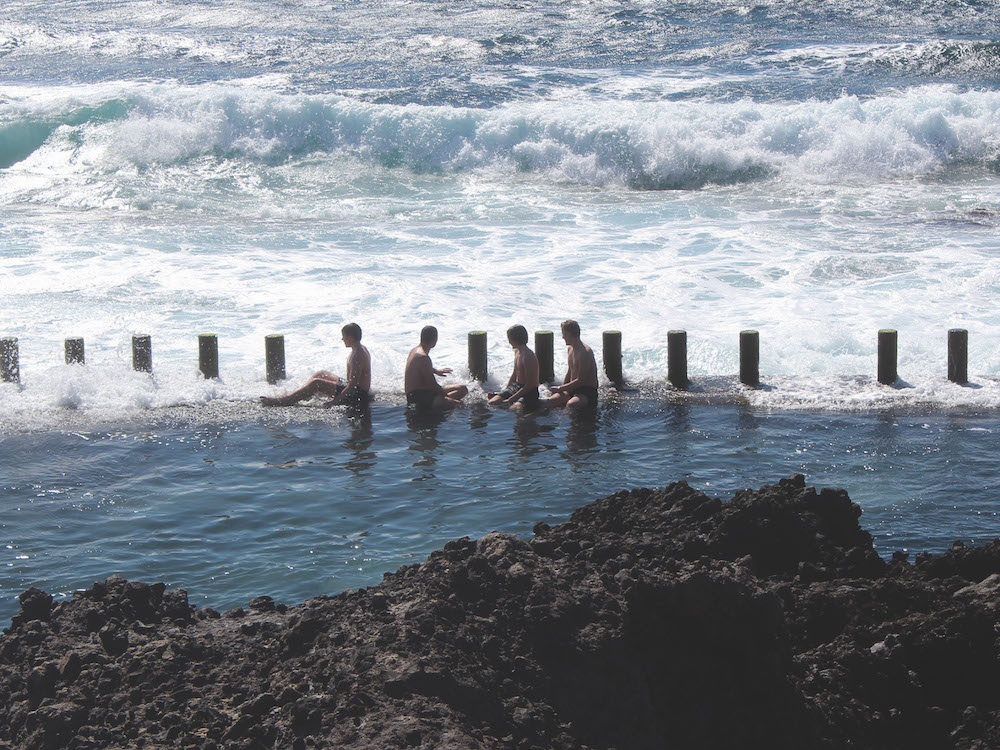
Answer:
(521, 391)
(419, 382)
(354, 390)
(579, 387)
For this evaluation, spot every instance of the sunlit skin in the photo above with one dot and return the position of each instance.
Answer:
(359, 377)
(420, 373)
(581, 372)
(525, 372)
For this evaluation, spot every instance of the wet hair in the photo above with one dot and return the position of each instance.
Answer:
(428, 335)
(353, 330)
(572, 328)
(517, 335)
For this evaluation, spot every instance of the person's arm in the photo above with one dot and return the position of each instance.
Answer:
(567, 377)
(572, 380)
(513, 373)
(521, 374)
(569, 386)
(520, 392)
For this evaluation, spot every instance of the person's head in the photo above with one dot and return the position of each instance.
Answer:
(351, 334)
(428, 336)
(517, 335)
(570, 330)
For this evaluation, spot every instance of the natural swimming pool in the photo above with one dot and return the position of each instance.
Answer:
(233, 502)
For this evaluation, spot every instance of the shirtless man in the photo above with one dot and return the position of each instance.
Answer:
(355, 390)
(579, 387)
(522, 388)
(422, 388)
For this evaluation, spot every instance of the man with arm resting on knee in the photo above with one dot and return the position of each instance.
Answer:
(522, 388)
(579, 387)
(419, 382)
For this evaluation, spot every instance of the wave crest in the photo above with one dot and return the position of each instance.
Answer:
(642, 145)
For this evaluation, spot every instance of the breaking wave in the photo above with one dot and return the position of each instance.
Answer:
(642, 145)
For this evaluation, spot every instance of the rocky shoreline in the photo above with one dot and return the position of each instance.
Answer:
(651, 619)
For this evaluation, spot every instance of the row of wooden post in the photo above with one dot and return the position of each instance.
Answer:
(274, 356)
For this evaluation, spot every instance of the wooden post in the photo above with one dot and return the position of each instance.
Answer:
(544, 350)
(142, 353)
(677, 368)
(274, 357)
(208, 355)
(887, 358)
(477, 355)
(750, 358)
(613, 357)
(10, 368)
(958, 355)
(74, 351)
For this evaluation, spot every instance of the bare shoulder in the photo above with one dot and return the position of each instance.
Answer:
(417, 355)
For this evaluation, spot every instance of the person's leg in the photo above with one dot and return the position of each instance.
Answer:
(443, 403)
(456, 392)
(529, 402)
(557, 400)
(497, 399)
(321, 382)
(584, 397)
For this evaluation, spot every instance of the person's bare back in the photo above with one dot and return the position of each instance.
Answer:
(359, 368)
(419, 372)
(419, 381)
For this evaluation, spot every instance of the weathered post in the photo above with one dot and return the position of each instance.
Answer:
(142, 353)
(274, 357)
(958, 355)
(477, 355)
(887, 357)
(208, 355)
(74, 351)
(10, 367)
(677, 368)
(613, 357)
(545, 351)
(750, 358)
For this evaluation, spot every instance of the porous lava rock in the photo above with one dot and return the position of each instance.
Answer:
(650, 619)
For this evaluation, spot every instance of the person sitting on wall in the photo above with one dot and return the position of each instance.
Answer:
(354, 390)
(419, 381)
(522, 387)
(579, 387)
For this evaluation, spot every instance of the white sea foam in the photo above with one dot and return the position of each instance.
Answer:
(644, 145)
(254, 172)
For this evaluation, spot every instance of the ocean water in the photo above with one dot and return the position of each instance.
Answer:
(815, 171)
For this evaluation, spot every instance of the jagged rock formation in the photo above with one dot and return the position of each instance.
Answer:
(651, 619)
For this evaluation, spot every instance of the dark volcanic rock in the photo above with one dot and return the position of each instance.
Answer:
(651, 619)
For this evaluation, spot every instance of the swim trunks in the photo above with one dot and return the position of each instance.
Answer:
(357, 398)
(529, 398)
(510, 390)
(589, 392)
(421, 398)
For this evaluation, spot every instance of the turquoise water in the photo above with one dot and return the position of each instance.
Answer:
(815, 171)
(297, 505)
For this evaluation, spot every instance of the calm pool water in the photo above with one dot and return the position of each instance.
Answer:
(299, 502)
